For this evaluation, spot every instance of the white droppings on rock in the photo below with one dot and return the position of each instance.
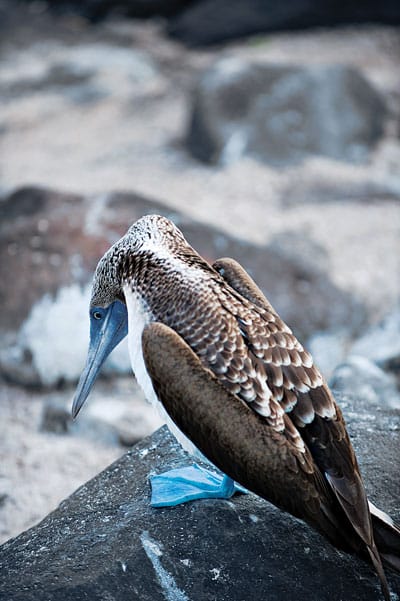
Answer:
(56, 334)
(215, 573)
(124, 566)
(254, 518)
(150, 545)
(153, 551)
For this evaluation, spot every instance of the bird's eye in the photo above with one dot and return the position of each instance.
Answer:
(97, 315)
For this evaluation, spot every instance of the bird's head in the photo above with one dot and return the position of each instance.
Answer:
(108, 323)
(108, 313)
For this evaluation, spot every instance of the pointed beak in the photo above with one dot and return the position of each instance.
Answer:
(107, 328)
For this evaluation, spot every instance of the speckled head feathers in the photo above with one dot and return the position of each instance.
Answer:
(150, 233)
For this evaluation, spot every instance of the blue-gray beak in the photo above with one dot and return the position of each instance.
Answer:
(107, 328)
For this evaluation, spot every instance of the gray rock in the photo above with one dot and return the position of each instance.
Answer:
(121, 416)
(319, 190)
(381, 344)
(329, 349)
(96, 10)
(283, 114)
(361, 378)
(205, 22)
(368, 366)
(105, 542)
(53, 242)
(56, 417)
(302, 251)
(208, 22)
(117, 413)
(81, 73)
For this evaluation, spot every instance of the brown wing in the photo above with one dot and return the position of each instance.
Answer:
(233, 342)
(306, 398)
(292, 377)
(237, 439)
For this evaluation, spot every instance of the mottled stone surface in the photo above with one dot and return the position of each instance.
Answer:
(105, 542)
(283, 114)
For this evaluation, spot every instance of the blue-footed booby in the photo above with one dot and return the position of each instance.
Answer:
(236, 386)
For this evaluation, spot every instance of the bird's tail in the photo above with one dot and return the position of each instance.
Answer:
(387, 537)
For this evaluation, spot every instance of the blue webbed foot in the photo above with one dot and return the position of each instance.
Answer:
(189, 483)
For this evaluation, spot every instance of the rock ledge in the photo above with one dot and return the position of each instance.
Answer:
(105, 542)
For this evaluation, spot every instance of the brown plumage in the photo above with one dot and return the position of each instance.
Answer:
(240, 386)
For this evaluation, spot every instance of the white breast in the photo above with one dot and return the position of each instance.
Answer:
(139, 315)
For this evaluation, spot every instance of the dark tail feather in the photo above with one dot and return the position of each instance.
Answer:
(377, 563)
(387, 537)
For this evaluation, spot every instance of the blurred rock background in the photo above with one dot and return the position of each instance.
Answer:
(268, 134)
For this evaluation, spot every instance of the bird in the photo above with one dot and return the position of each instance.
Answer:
(235, 386)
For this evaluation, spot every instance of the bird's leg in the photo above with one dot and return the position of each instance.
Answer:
(189, 483)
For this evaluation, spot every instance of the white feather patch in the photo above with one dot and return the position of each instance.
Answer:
(139, 316)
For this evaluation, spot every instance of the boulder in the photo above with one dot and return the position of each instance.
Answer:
(283, 114)
(52, 243)
(329, 349)
(96, 10)
(368, 367)
(381, 344)
(361, 378)
(84, 72)
(117, 413)
(213, 21)
(205, 22)
(106, 542)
